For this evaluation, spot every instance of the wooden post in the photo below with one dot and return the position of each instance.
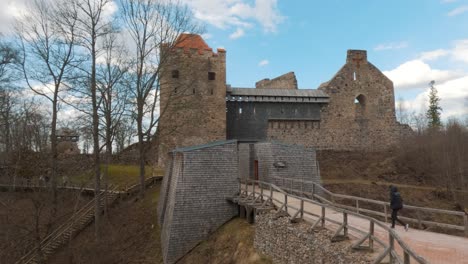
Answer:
(286, 202)
(371, 232)
(345, 224)
(302, 209)
(302, 188)
(261, 192)
(253, 190)
(465, 219)
(418, 214)
(385, 213)
(406, 258)
(323, 216)
(313, 191)
(271, 193)
(392, 246)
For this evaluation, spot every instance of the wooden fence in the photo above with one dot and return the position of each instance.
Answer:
(316, 191)
(259, 190)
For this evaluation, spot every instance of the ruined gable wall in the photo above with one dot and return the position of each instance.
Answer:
(346, 125)
(192, 106)
(285, 81)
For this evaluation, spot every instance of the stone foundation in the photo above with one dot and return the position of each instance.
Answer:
(291, 243)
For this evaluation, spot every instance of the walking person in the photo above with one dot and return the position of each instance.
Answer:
(396, 203)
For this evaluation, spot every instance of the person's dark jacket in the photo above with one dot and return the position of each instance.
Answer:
(395, 198)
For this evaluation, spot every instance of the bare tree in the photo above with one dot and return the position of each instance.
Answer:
(124, 132)
(7, 102)
(113, 92)
(8, 56)
(152, 25)
(92, 27)
(402, 112)
(47, 38)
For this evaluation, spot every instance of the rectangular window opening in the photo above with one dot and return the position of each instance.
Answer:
(211, 76)
(175, 74)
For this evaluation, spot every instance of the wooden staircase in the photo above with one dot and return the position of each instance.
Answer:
(64, 233)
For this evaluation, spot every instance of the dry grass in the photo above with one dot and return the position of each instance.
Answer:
(231, 243)
(118, 174)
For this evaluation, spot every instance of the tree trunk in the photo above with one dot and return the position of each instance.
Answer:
(97, 169)
(54, 162)
(108, 145)
(141, 150)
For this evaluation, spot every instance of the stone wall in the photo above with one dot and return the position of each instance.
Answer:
(360, 115)
(286, 242)
(285, 81)
(193, 200)
(193, 96)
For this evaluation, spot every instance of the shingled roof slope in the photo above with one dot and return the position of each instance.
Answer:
(191, 41)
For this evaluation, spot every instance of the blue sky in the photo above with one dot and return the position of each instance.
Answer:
(412, 41)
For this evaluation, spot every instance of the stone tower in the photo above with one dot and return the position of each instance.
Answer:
(193, 95)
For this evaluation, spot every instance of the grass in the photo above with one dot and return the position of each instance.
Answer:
(118, 174)
(231, 243)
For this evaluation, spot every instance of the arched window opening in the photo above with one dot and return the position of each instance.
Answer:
(354, 76)
(360, 105)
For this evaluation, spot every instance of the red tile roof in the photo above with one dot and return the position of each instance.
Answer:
(193, 41)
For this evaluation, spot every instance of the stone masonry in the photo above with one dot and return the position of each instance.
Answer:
(354, 110)
(193, 91)
(360, 114)
(290, 243)
(285, 81)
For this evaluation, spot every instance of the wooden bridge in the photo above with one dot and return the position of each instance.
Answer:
(366, 233)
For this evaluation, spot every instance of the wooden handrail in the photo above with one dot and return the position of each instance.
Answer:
(393, 236)
(417, 209)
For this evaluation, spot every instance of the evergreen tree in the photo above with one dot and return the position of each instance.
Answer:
(433, 113)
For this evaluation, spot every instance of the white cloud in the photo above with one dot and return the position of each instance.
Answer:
(452, 84)
(238, 13)
(8, 12)
(459, 10)
(237, 34)
(263, 63)
(391, 46)
(460, 51)
(207, 36)
(453, 95)
(434, 54)
(417, 74)
(11, 9)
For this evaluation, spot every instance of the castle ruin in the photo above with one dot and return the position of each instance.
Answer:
(354, 110)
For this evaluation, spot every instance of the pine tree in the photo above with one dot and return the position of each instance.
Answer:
(433, 113)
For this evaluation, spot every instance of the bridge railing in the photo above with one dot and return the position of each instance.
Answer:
(259, 190)
(316, 191)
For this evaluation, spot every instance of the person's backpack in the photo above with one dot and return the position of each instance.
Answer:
(398, 201)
